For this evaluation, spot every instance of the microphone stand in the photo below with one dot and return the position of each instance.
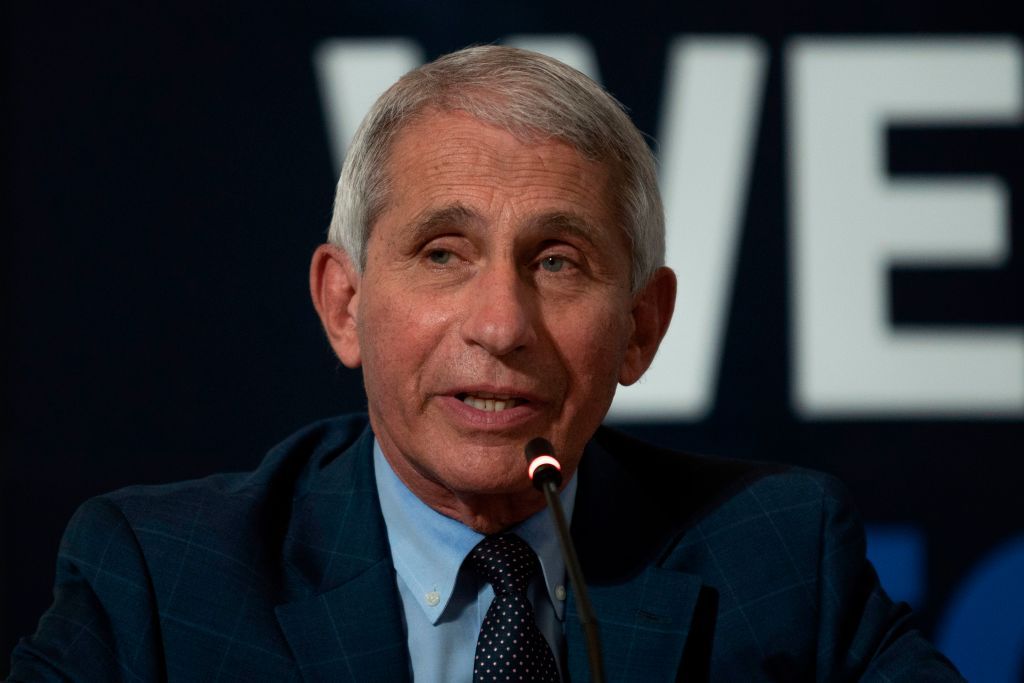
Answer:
(547, 477)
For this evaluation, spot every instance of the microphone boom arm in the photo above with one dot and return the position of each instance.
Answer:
(547, 476)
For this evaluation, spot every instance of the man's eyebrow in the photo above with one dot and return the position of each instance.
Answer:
(561, 223)
(460, 216)
(429, 222)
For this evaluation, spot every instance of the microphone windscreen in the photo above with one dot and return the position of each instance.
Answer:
(538, 447)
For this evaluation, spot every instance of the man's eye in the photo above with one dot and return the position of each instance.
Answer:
(439, 256)
(552, 264)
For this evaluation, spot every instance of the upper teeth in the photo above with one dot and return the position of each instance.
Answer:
(491, 404)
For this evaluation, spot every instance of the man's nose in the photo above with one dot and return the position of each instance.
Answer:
(501, 311)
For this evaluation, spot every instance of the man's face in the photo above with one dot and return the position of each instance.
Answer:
(494, 305)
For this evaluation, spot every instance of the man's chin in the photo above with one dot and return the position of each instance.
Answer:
(494, 509)
(474, 485)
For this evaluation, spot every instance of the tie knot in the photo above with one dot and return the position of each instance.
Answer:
(506, 561)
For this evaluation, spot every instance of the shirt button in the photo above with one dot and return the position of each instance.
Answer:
(560, 592)
(433, 598)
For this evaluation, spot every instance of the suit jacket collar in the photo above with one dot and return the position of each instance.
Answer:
(343, 620)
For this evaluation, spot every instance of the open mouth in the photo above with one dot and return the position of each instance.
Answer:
(491, 403)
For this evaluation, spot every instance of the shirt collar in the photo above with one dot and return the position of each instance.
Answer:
(428, 548)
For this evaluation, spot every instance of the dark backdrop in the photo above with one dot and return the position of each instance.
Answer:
(168, 175)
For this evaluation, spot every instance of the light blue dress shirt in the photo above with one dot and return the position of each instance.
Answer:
(443, 606)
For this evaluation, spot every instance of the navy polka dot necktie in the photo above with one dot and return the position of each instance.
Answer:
(510, 646)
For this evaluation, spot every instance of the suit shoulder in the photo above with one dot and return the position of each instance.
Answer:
(663, 505)
(662, 467)
(155, 576)
(242, 516)
(283, 472)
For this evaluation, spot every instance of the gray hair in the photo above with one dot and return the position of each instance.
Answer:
(529, 95)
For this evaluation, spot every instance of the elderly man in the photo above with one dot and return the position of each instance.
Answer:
(495, 268)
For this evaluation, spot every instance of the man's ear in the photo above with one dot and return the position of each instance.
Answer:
(652, 312)
(334, 286)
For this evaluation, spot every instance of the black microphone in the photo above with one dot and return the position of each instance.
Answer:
(542, 463)
(545, 472)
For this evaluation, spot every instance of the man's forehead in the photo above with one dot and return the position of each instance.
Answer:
(431, 123)
(434, 114)
(445, 155)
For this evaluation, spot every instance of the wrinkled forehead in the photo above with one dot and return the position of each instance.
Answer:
(446, 154)
(423, 127)
(498, 110)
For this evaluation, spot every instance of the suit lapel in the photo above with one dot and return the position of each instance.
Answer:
(343, 618)
(644, 610)
(351, 633)
(643, 625)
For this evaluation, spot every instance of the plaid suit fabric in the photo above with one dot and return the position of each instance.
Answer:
(700, 568)
(773, 558)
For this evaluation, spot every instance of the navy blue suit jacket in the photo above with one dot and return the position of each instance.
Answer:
(698, 568)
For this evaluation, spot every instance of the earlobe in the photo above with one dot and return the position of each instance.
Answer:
(652, 312)
(334, 286)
